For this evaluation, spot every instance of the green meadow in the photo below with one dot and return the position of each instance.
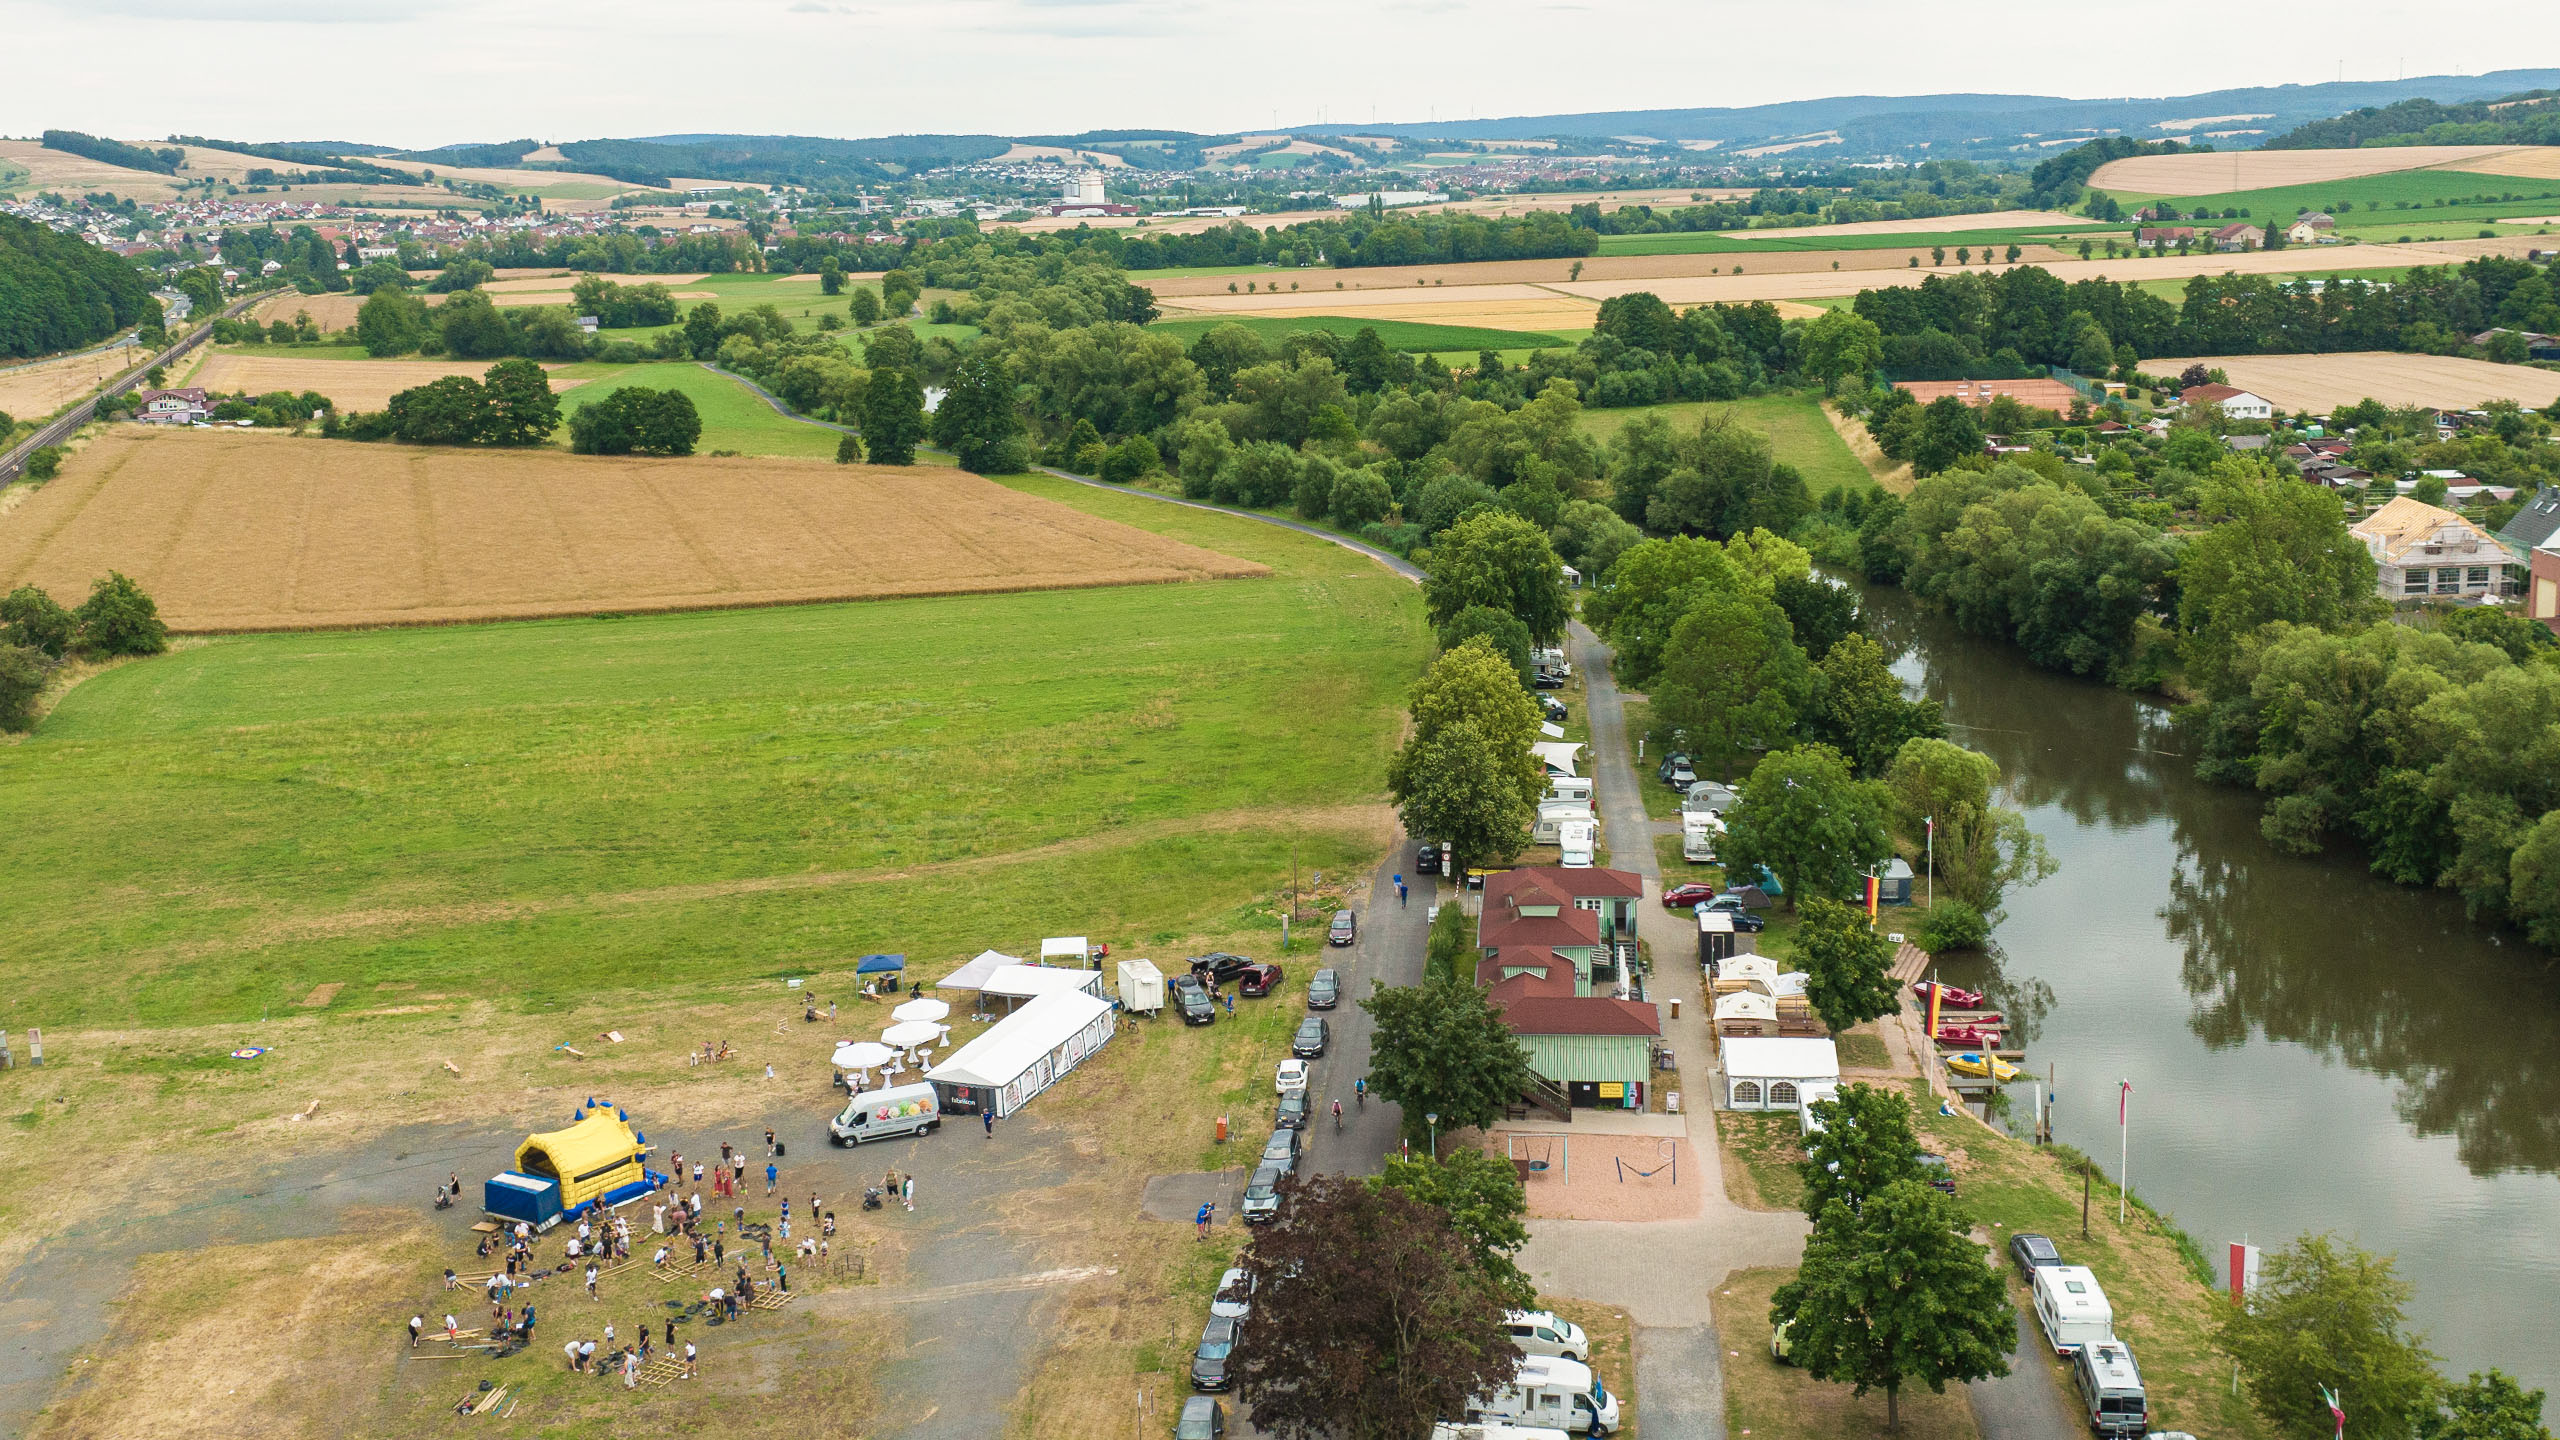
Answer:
(733, 417)
(1798, 432)
(2404, 200)
(1412, 335)
(537, 811)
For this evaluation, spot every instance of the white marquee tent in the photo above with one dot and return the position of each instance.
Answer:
(1024, 1053)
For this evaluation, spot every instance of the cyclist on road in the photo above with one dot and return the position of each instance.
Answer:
(1359, 1092)
(1337, 1114)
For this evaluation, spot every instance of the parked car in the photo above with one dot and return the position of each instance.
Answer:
(1209, 1358)
(1281, 1150)
(1542, 1332)
(1293, 1111)
(1344, 929)
(1192, 999)
(1681, 777)
(1261, 1204)
(1934, 1169)
(1203, 1418)
(1426, 860)
(1291, 1077)
(1325, 990)
(2031, 1252)
(1256, 981)
(1220, 966)
(1552, 708)
(1743, 920)
(1548, 681)
(1673, 761)
(1311, 1038)
(1692, 894)
(1234, 1297)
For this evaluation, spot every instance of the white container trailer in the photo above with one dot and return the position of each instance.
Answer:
(1141, 987)
(2072, 1309)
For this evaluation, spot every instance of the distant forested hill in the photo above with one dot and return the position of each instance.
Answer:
(60, 293)
(2530, 118)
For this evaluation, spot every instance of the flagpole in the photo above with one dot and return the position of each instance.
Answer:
(2124, 1146)
(1933, 866)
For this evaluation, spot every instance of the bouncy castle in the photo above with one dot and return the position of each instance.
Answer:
(598, 1161)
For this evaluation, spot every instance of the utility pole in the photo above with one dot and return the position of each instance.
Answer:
(2087, 1167)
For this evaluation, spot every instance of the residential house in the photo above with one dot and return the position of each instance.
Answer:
(2421, 551)
(2238, 235)
(2534, 525)
(2162, 237)
(2237, 403)
(2542, 597)
(170, 407)
(2313, 229)
(1579, 913)
(1552, 943)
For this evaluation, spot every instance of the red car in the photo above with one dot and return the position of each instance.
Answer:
(1256, 981)
(1679, 895)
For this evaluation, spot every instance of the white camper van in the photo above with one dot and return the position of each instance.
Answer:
(1697, 844)
(1553, 816)
(2072, 1309)
(1574, 840)
(1495, 1430)
(1569, 787)
(1562, 1393)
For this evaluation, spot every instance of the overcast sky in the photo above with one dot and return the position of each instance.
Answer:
(421, 73)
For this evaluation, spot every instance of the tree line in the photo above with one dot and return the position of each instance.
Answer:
(37, 635)
(58, 292)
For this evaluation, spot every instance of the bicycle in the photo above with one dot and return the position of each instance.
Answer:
(1337, 1114)
(1360, 1093)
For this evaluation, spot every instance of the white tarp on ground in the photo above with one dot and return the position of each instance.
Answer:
(1025, 982)
(973, 976)
(1026, 1052)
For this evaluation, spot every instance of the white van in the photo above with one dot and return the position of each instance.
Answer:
(890, 1114)
(2110, 1384)
(1562, 1393)
(1543, 1332)
(1569, 787)
(1495, 1430)
(1574, 840)
(2072, 1309)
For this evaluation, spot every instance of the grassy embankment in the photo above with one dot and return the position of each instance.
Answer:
(378, 851)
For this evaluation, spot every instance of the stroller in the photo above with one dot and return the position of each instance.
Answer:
(871, 1198)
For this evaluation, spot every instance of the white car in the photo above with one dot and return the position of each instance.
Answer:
(1234, 1297)
(1293, 1077)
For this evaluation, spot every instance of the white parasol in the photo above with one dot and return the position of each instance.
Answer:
(922, 1010)
(862, 1054)
(908, 1033)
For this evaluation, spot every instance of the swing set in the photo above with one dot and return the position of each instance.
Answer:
(1539, 1156)
(1670, 1160)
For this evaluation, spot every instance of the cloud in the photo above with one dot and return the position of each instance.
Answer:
(821, 7)
(254, 12)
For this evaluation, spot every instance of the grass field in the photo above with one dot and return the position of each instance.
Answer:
(1409, 335)
(542, 808)
(1770, 1401)
(2208, 172)
(237, 532)
(734, 417)
(1742, 242)
(2406, 197)
(342, 373)
(1799, 434)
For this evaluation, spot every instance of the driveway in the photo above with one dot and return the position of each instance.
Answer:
(2024, 1404)
(1390, 949)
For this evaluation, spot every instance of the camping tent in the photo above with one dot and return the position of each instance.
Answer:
(876, 964)
(1018, 983)
(974, 974)
(595, 1161)
(1023, 1054)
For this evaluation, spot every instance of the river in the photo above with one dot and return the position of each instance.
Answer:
(2311, 1048)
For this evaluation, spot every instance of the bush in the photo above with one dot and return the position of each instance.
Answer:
(22, 672)
(636, 420)
(32, 619)
(1131, 460)
(118, 619)
(1362, 497)
(1951, 924)
(848, 449)
(45, 463)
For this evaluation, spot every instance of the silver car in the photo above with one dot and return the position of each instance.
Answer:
(1282, 1150)
(1261, 1201)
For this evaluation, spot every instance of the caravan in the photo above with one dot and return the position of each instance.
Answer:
(2111, 1398)
(1569, 787)
(1563, 1393)
(2072, 1309)
(1554, 815)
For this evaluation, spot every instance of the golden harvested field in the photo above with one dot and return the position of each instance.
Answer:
(350, 384)
(2324, 382)
(2525, 162)
(31, 392)
(1413, 279)
(233, 531)
(2216, 173)
(72, 174)
(329, 312)
(509, 180)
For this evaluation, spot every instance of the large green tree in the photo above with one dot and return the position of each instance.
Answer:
(1840, 344)
(892, 417)
(1500, 628)
(31, 617)
(1807, 819)
(1501, 560)
(1443, 1049)
(391, 322)
(1465, 774)
(977, 421)
(1865, 1143)
(1848, 966)
(521, 410)
(2277, 550)
(2485, 1407)
(1858, 707)
(1732, 680)
(1893, 1292)
(118, 619)
(23, 671)
(1483, 1198)
(1982, 850)
(2328, 1314)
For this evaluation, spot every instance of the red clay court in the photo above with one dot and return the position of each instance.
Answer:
(2043, 394)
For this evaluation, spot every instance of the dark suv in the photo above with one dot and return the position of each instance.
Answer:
(1219, 966)
(2032, 1253)
(1192, 999)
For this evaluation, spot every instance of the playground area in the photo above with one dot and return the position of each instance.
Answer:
(1596, 1176)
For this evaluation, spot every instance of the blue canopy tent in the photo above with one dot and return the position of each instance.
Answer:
(876, 964)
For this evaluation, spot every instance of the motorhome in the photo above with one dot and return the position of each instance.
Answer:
(1545, 1391)
(2111, 1397)
(1569, 787)
(1551, 659)
(2072, 1309)
(1697, 844)
(1495, 1430)
(1574, 841)
(1554, 815)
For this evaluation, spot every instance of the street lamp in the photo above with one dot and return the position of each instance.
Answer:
(1432, 1119)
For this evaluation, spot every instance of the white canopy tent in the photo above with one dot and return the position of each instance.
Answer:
(1746, 1005)
(1024, 1053)
(1066, 949)
(1763, 1073)
(1559, 756)
(1018, 983)
(974, 975)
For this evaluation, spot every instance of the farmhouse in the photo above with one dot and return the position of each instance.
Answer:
(2162, 237)
(2238, 235)
(2422, 551)
(2237, 403)
(170, 407)
(2313, 229)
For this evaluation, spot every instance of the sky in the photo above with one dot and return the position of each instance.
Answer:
(421, 73)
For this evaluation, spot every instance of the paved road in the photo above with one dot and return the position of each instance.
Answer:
(1390, 951)
(14, 460)
(2024, 1404)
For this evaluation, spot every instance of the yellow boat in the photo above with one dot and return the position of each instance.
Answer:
(1975, 1063)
